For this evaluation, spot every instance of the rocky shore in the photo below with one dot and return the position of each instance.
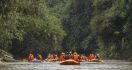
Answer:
(5, 56)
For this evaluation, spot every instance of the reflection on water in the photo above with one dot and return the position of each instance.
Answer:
(106, 65)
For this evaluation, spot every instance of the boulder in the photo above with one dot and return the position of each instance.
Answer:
(5, 56)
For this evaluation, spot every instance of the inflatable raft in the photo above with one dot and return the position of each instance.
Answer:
(95, 60)
(83, 61)
(69, 62)
(35, 60)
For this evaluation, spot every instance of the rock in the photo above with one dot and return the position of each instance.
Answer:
(0, 60)
(130, 59)
(5, 56)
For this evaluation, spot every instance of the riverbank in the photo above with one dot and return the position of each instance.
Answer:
(5, 56)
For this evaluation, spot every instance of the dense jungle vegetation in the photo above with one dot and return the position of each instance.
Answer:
(53, 26)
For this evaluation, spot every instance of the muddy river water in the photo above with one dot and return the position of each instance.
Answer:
(105, 65)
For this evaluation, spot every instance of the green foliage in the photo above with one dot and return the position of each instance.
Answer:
(110, 24)
(28, 25)
(8, 27)
(76, 24)
(87, 26)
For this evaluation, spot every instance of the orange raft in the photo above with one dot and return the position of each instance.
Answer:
(69, 62)
(95, 60)
(36, 60)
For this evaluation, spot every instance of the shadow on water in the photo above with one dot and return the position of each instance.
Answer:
(106, 65)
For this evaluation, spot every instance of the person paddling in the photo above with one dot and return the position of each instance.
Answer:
(56, 57)
(40, 57)
(97, 57)
(30, 57)
(76, 56)
(49, 57)
(62, 56)
(91, 57)
(66, 56)
(83, 58)
(70, 55)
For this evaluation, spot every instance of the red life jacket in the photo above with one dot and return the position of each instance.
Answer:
(91, 57)
(83, 57)
(71, 56)
(62, 57)
(76, 58)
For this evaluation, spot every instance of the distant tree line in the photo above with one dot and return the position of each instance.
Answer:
(52, 26)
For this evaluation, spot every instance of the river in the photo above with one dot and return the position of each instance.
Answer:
(105, 65)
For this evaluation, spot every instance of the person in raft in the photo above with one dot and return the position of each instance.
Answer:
(49, 57)
(56, 57)
(67, 56)
(39, 57)
(91, 57)
(62, 56)
(83, 57)
(75, 56)
(70, 55)
(97, 57)
(30, 57)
